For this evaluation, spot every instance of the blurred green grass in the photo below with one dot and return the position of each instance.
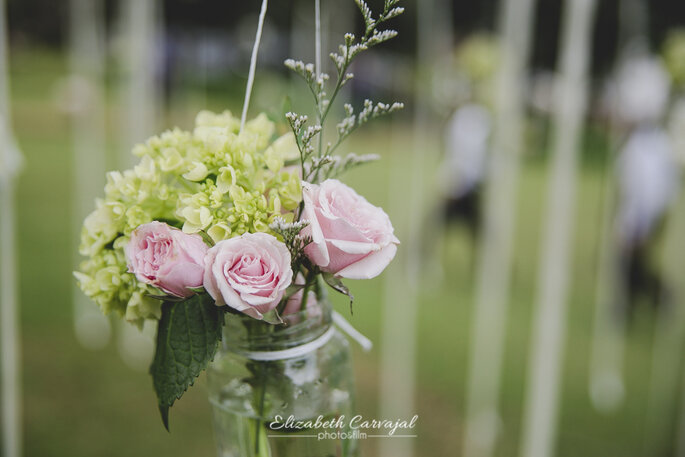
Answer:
(85, 403)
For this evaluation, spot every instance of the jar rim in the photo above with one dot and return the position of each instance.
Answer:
(243, 333)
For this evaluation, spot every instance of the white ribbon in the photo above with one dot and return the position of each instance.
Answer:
(298, 351)
(253, 64)
(352, 332)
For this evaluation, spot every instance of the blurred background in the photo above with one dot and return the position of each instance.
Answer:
(537, 304)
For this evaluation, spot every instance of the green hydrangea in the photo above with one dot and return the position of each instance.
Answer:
(213, 180)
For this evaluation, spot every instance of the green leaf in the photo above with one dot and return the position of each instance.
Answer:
(205, 236)
(292, 290)
(187, 337)
(272, 317)
(337, 285)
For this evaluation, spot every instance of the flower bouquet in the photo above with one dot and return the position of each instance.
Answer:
(228, 235)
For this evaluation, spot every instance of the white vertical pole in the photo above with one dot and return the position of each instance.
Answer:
(494, 266)
(87, 59)
(142, 88)
(398, 329)
(11, 332)
(300, 38)
(669, 335)
(317, 37)
(677, 133)
(10, 163)
(137, 346)
(680, 424)
(398, 374)
(606, 383)
(542, 396)
(141, 107)
(337, 18)
(669, 331)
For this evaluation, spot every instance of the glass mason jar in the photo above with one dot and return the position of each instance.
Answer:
(270, 384)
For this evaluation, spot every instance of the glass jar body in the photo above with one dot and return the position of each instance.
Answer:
(286, 391)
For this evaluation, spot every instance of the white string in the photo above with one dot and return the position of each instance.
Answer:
(253, 64)
(317, 45)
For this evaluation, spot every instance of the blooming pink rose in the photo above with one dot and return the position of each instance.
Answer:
(248, 273)
(165, 257)
(351, 238)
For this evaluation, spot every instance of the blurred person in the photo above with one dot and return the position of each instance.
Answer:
(467, 133)
(642, 91)
(461, 179)
(465, 92)
(464, 166)
(648, 179)
(648, 183)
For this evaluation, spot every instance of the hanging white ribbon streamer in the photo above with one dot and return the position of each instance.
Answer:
(87, 108)
(496, 250)
(253, 64)
(9, 323)
(352, 332)
(298, 351)
(10, 330)
(542, 407)
(317, 46)
(141, 94)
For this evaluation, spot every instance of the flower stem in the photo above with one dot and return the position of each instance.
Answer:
(262, 395)
(259, 372)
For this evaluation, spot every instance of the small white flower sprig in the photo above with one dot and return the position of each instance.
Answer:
(317, 161)
(293, 239)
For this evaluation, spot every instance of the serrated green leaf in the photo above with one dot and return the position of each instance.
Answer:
(337, 285)
(187, 337)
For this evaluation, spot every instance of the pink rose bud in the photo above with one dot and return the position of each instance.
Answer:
(294, 303)
(249, 273)
(165, 257)
(351, 238)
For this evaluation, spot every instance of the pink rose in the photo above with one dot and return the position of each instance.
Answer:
(248, 273)
(165, 257)
(351, 238)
